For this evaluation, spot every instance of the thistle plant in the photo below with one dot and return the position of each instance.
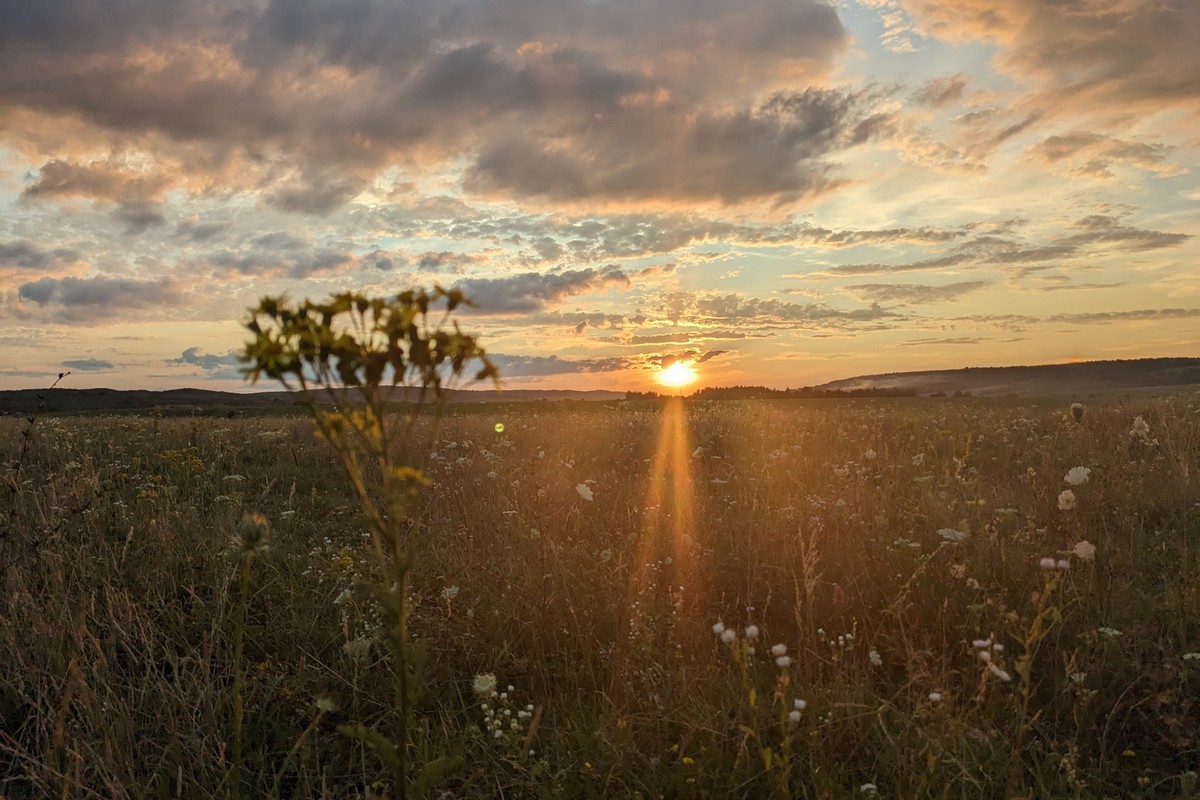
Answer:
(359, 356)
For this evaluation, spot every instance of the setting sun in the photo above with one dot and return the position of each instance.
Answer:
(681, 373)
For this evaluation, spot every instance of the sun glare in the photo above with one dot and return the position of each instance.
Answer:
(680, 373)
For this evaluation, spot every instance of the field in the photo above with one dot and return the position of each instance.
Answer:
(897, 598)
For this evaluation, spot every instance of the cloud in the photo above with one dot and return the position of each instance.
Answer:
(533, 291)
(941, 91)
(207, 361)
(913, 294)
(24, 254)
(1138, 315)
(515, 366)
(737, 309)
(88, 364)
(521, 89)
(776, 149)
(101, 294)
(1086, 55)
(1094, 154)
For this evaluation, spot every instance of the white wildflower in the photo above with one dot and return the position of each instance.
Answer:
(1062, 564)
(779, 650)
(719, 628)
(751, 631)
(999, 673)
(935, 697)
(484, 683)
(1084, 550)
(799, 704)
(794, 716)
(1066, 500)
(783, 661)
(875, 658)
(585, 491)
(1046, 563)
(729, 636)
(1077, 476)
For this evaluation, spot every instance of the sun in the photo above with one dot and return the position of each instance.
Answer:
(680, 373)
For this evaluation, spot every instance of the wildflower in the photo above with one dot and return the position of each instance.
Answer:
(729, 636)
(1046, 563)
(779, 650)
(1066, 500)
(875, 658)
(783, 661)
(981, 644)
(951, 535)
(869, 455)
(325, 705)
(751, 631)
(484, 684)
(799, 704)
(1062, 564)
(1077, 476)
(999, 673)
(1141, 432)
(869, 789)
(584, 491)
(935, 697)
(449, 593)
(719, 628)
(1084, 550)
(793, 716)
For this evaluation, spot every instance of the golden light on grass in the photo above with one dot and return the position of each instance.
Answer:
(678, 374)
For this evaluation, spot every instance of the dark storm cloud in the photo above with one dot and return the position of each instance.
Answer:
(913, 294)
(88, 364)
(101, 293)
(532, 291)
(310, 101)
(24, 254)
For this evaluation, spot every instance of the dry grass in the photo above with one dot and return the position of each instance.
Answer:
(818, 522)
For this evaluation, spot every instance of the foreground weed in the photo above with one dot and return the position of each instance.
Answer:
(364, 355)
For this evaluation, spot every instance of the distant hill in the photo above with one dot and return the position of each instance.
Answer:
(1043, 380)
(80, 400)
(1046, 380)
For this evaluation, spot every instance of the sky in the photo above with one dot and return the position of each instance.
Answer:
(772, 192)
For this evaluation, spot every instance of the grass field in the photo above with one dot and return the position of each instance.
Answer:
(915, 598)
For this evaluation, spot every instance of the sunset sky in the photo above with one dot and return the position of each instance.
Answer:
(781, 192)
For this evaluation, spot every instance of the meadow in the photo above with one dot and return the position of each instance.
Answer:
(910, 598)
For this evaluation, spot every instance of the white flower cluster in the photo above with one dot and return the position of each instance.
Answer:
(500, 723)
(989, 652)
(1140, 432)
(1049, 563)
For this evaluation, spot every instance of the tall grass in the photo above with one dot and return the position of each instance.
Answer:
(832, 527)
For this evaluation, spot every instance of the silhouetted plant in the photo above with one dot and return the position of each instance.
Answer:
(363, 354)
